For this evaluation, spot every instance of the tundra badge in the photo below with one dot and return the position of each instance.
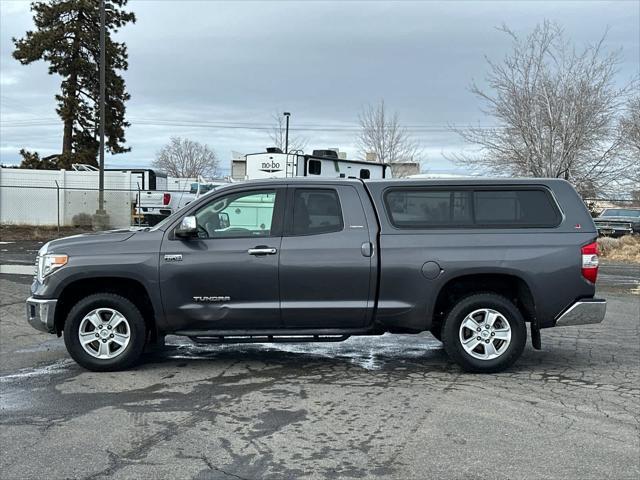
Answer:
(223, 298)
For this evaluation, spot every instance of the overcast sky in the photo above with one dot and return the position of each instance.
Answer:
(198, 66)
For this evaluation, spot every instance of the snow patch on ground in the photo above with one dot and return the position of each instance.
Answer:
(57, 367)
(18, 269)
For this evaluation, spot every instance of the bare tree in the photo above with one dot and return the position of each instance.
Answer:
(630, 137)
(182, 157)
(557, 110)
(631, 125)
(382, 134)
(278, 135)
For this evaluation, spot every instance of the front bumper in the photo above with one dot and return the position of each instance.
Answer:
(583, 312)
(41, 314)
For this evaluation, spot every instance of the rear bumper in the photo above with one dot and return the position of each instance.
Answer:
(41, 314)
(614, 230)
(583, 312)
(164, 211)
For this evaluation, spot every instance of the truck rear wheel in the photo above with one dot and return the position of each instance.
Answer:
(105, 332)
(484, 333)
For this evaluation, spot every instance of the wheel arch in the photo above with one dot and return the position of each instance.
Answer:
(127, 287)
(509, 285)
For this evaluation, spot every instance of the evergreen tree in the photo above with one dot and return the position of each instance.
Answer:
(67, 36)
(33, 160)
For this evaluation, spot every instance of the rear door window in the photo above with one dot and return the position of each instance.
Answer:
(316, 211)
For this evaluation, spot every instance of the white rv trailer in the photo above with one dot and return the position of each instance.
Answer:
(322, 163)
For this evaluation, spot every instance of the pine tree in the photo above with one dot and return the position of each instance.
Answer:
(67, 37)
(33, 160)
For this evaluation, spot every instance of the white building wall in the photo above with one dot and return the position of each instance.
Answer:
(40, 197)
(30, 197)
(28, 206)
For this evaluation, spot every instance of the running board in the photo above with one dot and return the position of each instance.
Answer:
(269, 339)
(288, 335)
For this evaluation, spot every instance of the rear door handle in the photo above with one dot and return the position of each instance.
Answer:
(366, 249)
(262, 250)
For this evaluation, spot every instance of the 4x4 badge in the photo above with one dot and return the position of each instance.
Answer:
(173, 258)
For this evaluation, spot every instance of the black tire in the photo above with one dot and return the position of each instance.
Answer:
(130, 354)
(451, 333)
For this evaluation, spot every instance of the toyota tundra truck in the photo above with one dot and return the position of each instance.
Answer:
(472, 261)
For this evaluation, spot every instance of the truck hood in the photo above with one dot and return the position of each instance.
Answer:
(85, 239)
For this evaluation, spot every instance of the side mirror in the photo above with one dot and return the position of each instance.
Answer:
(188, 228)
(224, 220)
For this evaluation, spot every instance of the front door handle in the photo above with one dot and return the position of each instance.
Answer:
(366, 249)
(262, 250)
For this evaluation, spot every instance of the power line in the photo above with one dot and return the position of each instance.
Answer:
(417, 128)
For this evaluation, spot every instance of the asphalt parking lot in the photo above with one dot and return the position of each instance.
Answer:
(385, 407)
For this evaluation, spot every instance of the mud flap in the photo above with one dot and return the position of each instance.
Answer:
(155, 342)
(536, 341)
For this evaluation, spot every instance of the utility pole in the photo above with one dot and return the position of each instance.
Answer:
(103, 58)
(286, 135)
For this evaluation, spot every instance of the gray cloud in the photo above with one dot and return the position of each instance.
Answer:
(197, 62)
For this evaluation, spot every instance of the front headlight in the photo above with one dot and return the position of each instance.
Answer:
(49, 263)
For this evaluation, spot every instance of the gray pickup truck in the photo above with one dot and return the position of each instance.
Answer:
(471, 261)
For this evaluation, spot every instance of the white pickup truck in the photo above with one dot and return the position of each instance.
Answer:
(154, 206)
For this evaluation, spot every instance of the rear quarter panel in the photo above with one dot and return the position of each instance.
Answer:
(547, 259)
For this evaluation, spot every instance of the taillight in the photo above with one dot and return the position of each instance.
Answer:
(590, 262)
(166, 199)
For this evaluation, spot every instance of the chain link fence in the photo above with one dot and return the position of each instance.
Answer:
(45, 206)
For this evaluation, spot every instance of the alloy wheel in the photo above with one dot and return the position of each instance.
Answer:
(104, 333)
(485, 334)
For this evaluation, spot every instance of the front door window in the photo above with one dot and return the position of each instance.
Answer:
(239, 215)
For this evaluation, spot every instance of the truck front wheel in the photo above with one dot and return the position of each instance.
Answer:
(484, 333)
(105, 332)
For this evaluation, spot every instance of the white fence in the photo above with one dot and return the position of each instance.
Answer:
(58, 197)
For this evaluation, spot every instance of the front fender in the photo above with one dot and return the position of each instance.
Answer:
(141, 268)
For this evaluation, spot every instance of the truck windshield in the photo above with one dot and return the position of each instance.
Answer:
(620, 212)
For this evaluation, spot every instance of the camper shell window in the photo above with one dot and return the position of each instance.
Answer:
(416, 208)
